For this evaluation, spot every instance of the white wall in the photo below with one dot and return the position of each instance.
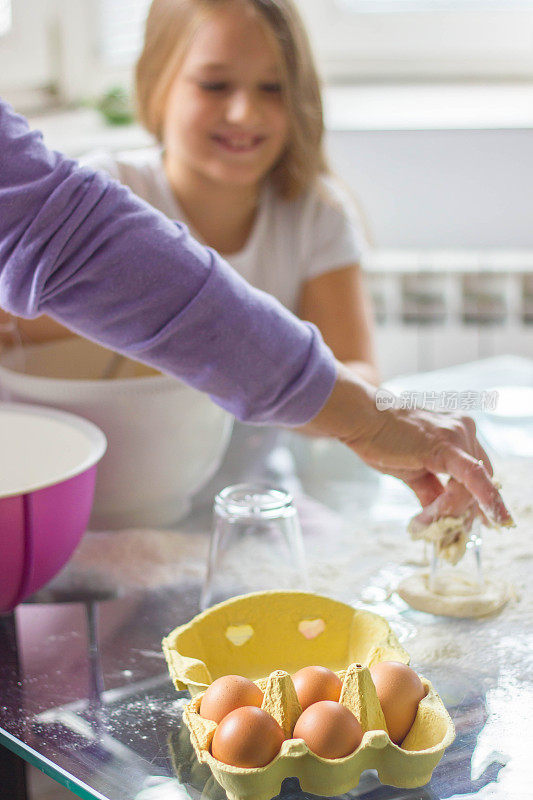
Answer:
(441, 188)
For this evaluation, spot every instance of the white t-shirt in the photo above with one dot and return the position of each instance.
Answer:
(291, 240)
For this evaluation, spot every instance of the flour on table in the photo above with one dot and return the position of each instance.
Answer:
(128, 560)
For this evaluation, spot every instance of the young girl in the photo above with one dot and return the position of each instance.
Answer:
(230, 91)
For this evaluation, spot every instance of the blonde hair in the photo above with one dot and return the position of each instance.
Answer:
(170, 27)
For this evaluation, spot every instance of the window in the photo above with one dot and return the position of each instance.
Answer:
(121, 29)
(26, 65)
(421, 39)
(81, 48)
(76, 48)
(100, 42)
(5, 16)
(425, 5)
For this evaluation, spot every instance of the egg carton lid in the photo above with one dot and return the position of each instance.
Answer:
(255, 634)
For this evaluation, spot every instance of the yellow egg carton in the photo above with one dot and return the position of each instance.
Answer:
(275, 634)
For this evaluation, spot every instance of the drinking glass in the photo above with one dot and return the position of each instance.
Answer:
(463, 578)
(256, 544)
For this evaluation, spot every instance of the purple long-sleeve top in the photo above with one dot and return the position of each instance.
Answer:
(82, 248)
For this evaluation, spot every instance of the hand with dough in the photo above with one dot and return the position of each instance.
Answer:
(416, 446)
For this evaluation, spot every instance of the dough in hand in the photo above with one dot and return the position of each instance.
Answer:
(449, 534)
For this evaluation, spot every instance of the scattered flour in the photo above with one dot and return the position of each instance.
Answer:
(352, 556)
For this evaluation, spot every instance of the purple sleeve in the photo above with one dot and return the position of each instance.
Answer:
(82, 248)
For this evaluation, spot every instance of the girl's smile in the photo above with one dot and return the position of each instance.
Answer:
(239, 144)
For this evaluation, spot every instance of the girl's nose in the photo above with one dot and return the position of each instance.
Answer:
(242, 108)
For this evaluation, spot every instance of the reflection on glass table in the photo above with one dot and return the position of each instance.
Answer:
(159, 763)
(129, 741)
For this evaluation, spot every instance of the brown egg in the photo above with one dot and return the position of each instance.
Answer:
(399, 691)
(313, 684)
(228, 693)
(329, 729)
(247, 737)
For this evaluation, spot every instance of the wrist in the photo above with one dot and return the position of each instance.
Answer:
(350, 411)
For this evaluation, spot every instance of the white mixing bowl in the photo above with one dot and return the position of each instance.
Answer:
(165, 440)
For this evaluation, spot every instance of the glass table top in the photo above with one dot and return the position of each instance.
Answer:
(85, 694)
(127, 741)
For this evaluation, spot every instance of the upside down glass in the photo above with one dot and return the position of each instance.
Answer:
(256, 544)
(461, 577)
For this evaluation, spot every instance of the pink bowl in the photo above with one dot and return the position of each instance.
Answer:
(46, 494)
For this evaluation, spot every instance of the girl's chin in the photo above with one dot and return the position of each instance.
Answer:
(240, 165)
(237, 177)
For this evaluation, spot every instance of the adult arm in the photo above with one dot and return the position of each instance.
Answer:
(83, 249)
